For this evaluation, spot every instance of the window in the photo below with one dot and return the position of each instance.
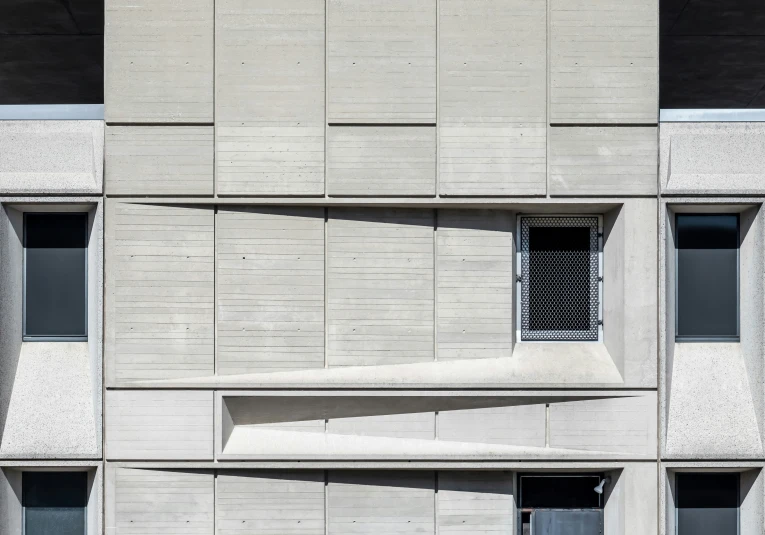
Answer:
(560, 278)
(707, 504)
(707, 276)
(55, 276)
(561, 504)
(54, 502)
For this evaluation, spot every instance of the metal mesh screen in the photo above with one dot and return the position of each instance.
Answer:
(559, 278)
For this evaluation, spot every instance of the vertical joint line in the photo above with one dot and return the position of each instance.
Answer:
(435, 285)
(547, 425)
(326, 290)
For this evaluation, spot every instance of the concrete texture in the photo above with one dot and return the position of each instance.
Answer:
(159, 291)
(381, 61)
(269, 97)
(603, 161)
(51, 157)
(66, 422)
(270, 289)
(381, 161)
(603, 61)
(712, 158)
(159, 160)
(158, 61)
(709, 388)
(63, 422)
(369, 252)
(492, 140)
(174, 425)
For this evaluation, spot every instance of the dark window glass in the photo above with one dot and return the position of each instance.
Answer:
(707, 504)
(707, 276)
(54, 502)
(55, 301)
(559, 259)
(559, 492)
(51, 52)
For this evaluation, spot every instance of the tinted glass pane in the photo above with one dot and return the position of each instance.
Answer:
(707, 275)
(559, 492)
(707, 504)
(56, 260)
(559, 281)
(54, 502)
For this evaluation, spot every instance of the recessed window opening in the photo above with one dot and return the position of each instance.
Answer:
(560, 278)
(562, 503)
(707, 503)
(707, 277)
(54, 502)
(55, 276)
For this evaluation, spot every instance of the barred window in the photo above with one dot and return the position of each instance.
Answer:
(560, 278)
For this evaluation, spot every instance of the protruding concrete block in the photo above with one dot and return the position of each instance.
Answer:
(383, 161)
(381, 58)
(159, 160)
(603, 161)
(159, 61)
(604, 61)
(51, 157)
(269, 97)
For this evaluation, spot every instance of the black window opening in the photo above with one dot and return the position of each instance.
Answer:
(707, 277)
(712, 54)
(51, 52)
(707, 503)
(55, 277)
(560, 279)
(561, 504)
(54, 502)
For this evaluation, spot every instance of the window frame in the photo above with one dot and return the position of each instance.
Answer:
(46, 338)
(519, 276)
(720, 339)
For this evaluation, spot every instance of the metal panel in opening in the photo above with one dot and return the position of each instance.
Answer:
(560, 278)
(567, 522)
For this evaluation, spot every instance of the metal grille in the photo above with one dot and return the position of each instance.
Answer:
(559, 278)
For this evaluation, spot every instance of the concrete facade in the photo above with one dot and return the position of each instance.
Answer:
(304, 260)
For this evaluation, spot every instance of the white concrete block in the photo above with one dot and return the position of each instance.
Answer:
(270, 289)
(381, 61)
(269, 97)
(604, 61)
(603, 161)
(159, 424)
(492, 97)
(159, 160)
(160, 291)
(474, 253)
(158, 61)
(379, 286)
(382, 161)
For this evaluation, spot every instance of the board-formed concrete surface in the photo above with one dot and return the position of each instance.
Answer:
(305, 255)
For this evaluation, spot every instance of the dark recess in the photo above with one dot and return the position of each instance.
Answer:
(51, 52)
